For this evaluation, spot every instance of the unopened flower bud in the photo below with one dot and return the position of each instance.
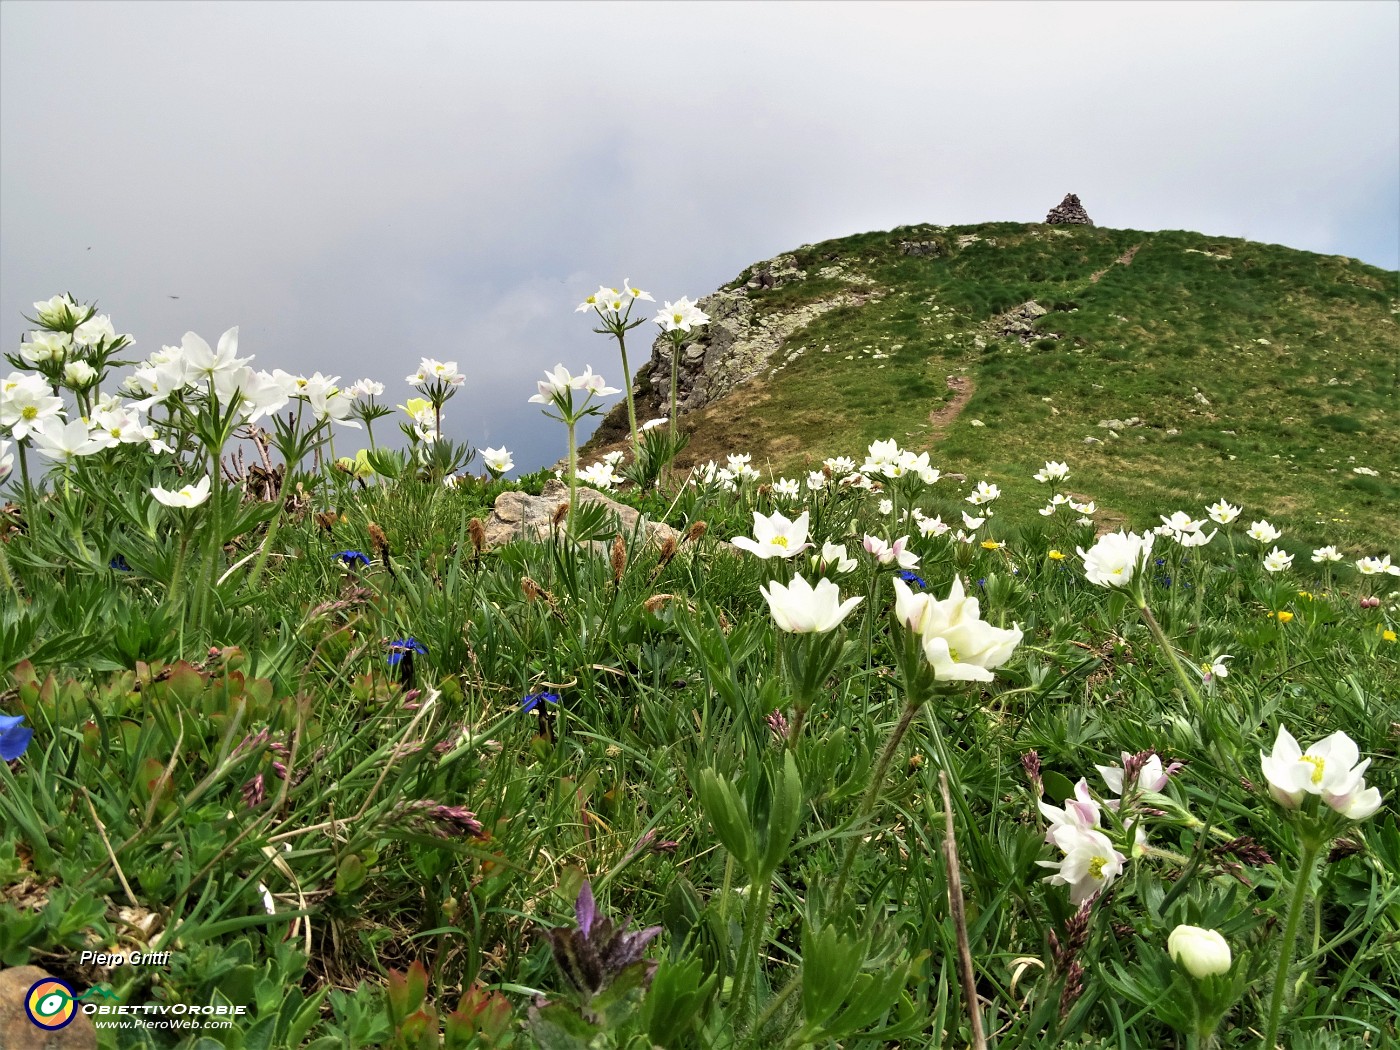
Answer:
(1202, 953)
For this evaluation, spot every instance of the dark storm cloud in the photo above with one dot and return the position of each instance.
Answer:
(360, 185)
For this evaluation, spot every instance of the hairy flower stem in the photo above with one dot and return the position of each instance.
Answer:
(627, 386)
(9, 576)
(1311, 850)
(675, 380)
(177, 577)
(872, 790)
(1160, 636)
(749, 954)
(573, 467)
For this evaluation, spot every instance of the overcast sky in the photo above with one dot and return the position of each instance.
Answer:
(359, 185)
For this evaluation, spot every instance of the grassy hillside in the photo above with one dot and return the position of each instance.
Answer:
(1260, 374)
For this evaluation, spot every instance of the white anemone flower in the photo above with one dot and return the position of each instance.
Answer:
(1329, 768)
(1115, 558)
(1374, 566)
(1277, 560)
(803, 609)
(1326, 554)
(786, 487)
(599, 475)
(1263, 532)
(1052, 471)
(833, 555)
(1222, 513)
(64, 442)
(775, 536)
(187, 497)
(1090, 864)
(896, 553)
(957, 643)
(26, 404)
(497, 460)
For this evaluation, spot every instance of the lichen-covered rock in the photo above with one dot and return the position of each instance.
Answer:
(18, 1032)
(1069, 212)
(518, 515)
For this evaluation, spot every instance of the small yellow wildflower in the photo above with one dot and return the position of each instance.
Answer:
(1389, 636)
(1057, 555)
(992, 545)
(1306, 594)
(1284, 616)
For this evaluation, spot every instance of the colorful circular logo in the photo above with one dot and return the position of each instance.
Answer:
(50, 1004)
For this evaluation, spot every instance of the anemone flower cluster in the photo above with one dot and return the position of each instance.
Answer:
(1090, 862)
(957, 643)
(1328, 769)
(1116, 558)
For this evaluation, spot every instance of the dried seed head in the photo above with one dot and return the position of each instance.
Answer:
(560, 513)
(765, 489)
(478, 533)
(668, 550)
(619, 558)
(1341, 849)
(696, 531)
(378, 540)
(531, 588)
(656, 601)
(326, 520)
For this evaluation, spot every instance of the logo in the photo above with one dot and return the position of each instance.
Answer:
(50, 1004)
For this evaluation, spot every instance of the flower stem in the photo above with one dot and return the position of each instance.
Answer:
(627, 385)
(7, 574)
(1187, 684)
(573, 468)
(675, 380)
(1311, 850)
(872, 790)
(748, 967)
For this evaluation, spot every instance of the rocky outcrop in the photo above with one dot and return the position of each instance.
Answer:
(740, 339)
(518, 515)
(1020, 323)
(1069, 212)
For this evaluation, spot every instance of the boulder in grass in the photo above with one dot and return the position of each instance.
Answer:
(518, 515)
(18, 1032)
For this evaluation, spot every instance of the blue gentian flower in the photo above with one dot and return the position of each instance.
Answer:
(909, 576)
(14, 738)
(119, 564)
(351, 558)
(399, 647)
(529, 703)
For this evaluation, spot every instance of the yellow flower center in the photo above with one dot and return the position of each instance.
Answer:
(29, 412)
(1118, 571)
(1096, 867)
(780, 541)
(1318, 764)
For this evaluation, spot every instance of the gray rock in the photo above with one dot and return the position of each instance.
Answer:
(18, 1032)
(518, 515)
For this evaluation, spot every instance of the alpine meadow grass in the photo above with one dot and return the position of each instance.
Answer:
(914, 747)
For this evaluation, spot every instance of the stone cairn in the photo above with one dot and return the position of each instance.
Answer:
(1069, 210)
